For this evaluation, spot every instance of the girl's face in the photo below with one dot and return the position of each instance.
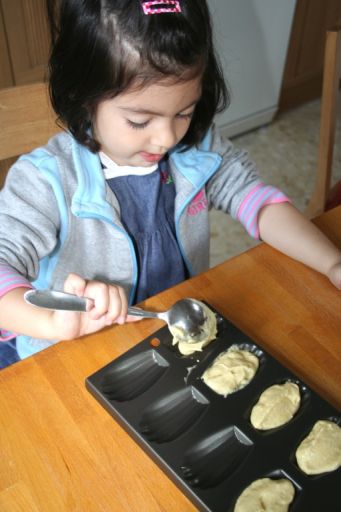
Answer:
(138, 127)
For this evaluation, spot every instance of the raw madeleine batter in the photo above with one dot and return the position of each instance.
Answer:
(276, 406)
(231, 370)
(266, 495)
(320, 451)
(210, 328)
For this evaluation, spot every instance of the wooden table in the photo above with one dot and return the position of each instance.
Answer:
(61, 451)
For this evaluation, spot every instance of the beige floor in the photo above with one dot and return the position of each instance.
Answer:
(286, 153)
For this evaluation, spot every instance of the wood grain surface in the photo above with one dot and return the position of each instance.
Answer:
(61, 451)
(27, 120)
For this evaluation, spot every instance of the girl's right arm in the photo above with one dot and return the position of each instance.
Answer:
(29, 228)
(21, 318)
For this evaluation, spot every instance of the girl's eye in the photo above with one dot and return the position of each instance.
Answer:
(137, 126)
(186, 116)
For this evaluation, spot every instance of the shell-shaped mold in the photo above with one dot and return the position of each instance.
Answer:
(130, 377)
(215, 457)
(173, 414)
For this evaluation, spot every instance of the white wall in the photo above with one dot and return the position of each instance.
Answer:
(252, 38)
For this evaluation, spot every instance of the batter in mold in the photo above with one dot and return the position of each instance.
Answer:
(210, 329)
(276, 406)
(320, 451)
(266, 495)
(231, 370)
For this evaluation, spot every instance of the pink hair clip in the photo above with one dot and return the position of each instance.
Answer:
(160, 6)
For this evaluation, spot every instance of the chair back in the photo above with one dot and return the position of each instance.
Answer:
(330, 93)
(27, 121)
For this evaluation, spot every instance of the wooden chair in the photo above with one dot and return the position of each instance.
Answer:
(323, 196)
(26, 122)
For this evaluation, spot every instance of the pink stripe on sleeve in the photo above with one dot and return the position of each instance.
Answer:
(258, 197)
(6, 335)
(246, 200)
(253, 229)
(11, 279)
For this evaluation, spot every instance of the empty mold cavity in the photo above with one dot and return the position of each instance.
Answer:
(173, 414)
(130, 377)
(215, 457)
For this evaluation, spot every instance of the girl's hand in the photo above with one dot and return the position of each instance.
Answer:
(285, 228)
(110, 306)
(334, 275)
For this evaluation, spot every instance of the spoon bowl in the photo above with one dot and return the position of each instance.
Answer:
(187, 318)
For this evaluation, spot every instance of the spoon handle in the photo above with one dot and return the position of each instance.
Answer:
(50, 299)
(141, 312)
(55, 300)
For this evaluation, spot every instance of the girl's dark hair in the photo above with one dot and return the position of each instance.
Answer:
(102, 47)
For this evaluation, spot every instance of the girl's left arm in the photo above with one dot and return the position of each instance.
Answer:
(283, 227)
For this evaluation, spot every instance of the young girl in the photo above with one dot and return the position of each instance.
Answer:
(116, 207)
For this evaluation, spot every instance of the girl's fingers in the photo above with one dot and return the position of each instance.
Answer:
(109, 301)
(75, 284)
(99, 293)
(131, 318)
(117, 311)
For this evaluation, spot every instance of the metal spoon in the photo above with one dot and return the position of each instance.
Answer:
(187, 316)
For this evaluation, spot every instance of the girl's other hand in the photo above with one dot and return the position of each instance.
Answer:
(110, 307)
(334, 275)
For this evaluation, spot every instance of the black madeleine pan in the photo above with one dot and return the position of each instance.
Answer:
(204, 442)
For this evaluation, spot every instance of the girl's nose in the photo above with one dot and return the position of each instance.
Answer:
(165, 137)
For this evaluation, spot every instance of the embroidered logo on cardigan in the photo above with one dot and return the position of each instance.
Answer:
(198, 204)
(166, 178)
